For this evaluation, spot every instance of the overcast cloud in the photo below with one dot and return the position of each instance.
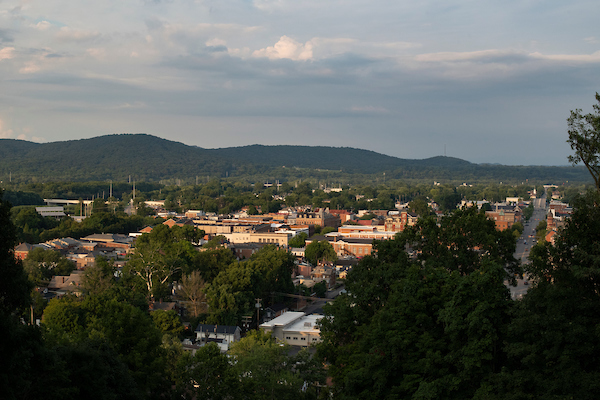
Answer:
(486, 81)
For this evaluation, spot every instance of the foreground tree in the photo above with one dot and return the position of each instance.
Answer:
(584, 138)
(554, 337)
(426, 327)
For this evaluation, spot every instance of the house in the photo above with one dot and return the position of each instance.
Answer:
(222, 335)
(22, 250)
(295, 328)
(67, 284)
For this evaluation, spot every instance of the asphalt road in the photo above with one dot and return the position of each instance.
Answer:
(525, 242)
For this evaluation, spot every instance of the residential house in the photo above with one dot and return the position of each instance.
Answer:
(222, 335)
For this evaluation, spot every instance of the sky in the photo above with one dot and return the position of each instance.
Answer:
(485, 81)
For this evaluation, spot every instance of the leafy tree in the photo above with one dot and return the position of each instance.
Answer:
(424, 327)
(125, 328)
(43, 264)
(420, 206)
(320, 250)
(584, 138)
(215, 242)
(298, 240)
(20, 344)
(327, 230)
(100, 277)
(320, 288)
(554, 329)
(208, 374)
(193, 287)
(211, 262)
(266, 371)
(233, 292)
(168, 322)
(463, 241)
(159, 256)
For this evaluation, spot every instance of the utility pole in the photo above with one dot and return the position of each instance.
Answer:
(257, 305)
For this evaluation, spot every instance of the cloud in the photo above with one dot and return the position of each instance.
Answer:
(43, 25)
(369, 110)
(5, 133)
(268, 5)
(448, 56)
(584, 58)
(287, 48)
(78, 35)
(5, 36)
(7, 53)
(97, 53)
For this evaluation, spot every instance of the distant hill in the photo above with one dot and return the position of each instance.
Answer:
(149, 158)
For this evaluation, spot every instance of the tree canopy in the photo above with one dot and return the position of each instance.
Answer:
(584, 138)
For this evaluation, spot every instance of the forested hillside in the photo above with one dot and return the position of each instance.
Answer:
(149, 158)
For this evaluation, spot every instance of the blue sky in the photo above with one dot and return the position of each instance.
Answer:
(488, 81)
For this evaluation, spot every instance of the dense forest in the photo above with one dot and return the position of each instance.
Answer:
(147, 158)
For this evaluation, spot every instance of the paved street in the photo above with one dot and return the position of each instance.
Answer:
(526, 241)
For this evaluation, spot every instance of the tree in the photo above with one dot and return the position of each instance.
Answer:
(584, 138)
(554, 328)
(168, 322)
(298, 240)
(193, 287)
(43, 264)
(20, 344)
(234, 291)
(430, 326)
(208, 374)
(320, 250)
(266, 371)
(100, 277)
(125, 328)
(159, 256)
(420, 206)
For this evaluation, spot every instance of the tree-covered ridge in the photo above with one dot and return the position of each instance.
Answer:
(148, 158)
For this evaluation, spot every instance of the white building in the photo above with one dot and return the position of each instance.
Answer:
(295, 328)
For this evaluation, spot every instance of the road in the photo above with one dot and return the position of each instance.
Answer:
(525, 242)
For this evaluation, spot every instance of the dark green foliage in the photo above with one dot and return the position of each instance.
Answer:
(554, 336)
(232, 293)
(319, 251)
(162, 255)
(110, 157)
(128, 331)
(461, 242)
(20, 198)
(298, 240)
(424, 328)
(168, 322)
(42, 265)
(584, 138)
(208, 374)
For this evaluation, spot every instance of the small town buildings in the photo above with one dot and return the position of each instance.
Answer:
(62, 285)
(222, 335)
(295, 328)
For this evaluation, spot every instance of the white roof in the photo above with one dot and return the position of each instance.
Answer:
(283, 320)
(306, 324)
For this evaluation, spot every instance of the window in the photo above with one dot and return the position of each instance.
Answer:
(303, 338)
(288, 338)
(295, 338)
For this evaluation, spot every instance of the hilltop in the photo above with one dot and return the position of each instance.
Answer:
(149, 158)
